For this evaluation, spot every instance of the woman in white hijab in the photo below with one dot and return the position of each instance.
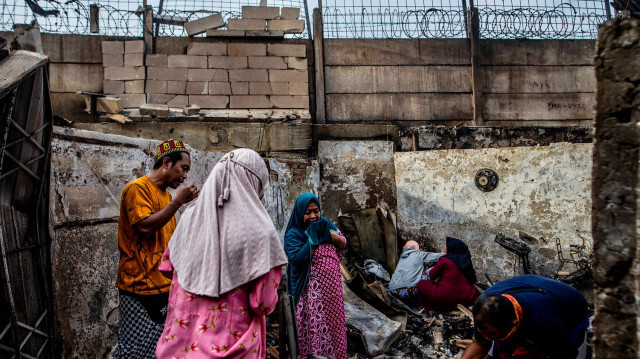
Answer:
(225, 259)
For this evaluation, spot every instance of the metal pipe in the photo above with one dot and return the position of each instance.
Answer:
(607, 8)
(159, 12)
(306, 14)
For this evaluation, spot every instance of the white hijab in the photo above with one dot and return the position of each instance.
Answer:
(226, 237)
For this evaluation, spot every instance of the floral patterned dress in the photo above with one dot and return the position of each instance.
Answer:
(320, 315)
(231, 326)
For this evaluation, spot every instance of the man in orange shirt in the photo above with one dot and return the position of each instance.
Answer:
(147, 221)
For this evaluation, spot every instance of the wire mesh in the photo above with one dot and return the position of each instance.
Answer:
(499, 19)
(229, 9)
(120, 17)
(544, 19)
(393, 19)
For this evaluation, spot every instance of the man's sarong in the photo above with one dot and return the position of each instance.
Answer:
(140, 325)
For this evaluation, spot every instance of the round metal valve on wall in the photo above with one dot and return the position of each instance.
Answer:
(486, 180)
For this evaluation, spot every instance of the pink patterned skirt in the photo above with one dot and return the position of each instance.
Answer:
(320, 313)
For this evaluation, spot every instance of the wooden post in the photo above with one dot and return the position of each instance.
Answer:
(148, 29)
(476, 67)
(318, 54)
(94, 18)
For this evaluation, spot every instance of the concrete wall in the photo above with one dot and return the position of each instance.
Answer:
(410, 82)
(533, 82)
(76, 64)
(356, 175)
(543, 191)
(616, 192)
(89, 170)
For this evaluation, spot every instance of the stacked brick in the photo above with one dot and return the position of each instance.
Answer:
(215, 75)
(263, 21)
(124, 71)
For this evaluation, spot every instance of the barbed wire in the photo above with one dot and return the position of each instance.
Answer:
(561, 22)
(499, 19)
(544, 19)
(121, 17)
(393, 23)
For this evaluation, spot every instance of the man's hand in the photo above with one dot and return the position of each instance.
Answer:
(337, 241)
(186, 194)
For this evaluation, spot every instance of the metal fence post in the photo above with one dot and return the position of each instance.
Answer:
(466, 26)
(476, 68)
(318, 54)
(147, 25)
(607, 8)
(94, 18)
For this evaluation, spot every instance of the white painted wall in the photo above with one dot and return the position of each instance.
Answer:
(543, 191)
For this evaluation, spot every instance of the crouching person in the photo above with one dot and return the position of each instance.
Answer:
(451, 280)
(410, 270)
(529, 316)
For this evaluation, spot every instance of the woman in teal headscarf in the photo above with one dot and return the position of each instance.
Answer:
(314, 246)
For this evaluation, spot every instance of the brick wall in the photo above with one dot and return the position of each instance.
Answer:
(212, 75)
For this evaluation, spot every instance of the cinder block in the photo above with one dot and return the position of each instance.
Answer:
(208, 75)
(225, 33)
(189, 61)
(159, 98)
(124, 73)
(298, 88)
(113, 87)
(288, 76)
(244, 49)
(162, 73)
(133, 100)
(280, 88)
(250, 75)
(207, 48)
(267, 62)
(134, 47)
(131, 60)
(288, 26)
(156, 86)
(290, 101)
(260, 12)
(227, 62)
(269, 88)
(289, 13)
(176, 87)
(239, 88)
(260, 88)
(255, 101)
(136, 86)
(113, 47)
(299, 63)
(202, 25)
(112, 60)
(293, 50)
(157, 60)
(190, 110)
(154, 110)
(209, 101)
(246, 24)
(106, 104)
(179, 101)
(259, 33)
(197, 88)
(219, 88)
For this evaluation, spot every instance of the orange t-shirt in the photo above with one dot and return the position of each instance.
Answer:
(139, 255)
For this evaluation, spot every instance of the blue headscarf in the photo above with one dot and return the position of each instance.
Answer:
(300, 241)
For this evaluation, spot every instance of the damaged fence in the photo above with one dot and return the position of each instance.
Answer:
(121, 17)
